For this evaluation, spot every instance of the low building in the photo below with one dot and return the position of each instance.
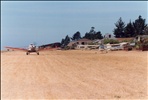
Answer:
(74, 44)
(83, 41)
(109, 36)
(80, 42)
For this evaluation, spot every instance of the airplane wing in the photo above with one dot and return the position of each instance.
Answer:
(14, 48)
(23, 49)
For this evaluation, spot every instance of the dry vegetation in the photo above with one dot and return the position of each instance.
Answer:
(74, 75)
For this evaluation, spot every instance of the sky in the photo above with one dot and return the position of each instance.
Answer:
(43, 22)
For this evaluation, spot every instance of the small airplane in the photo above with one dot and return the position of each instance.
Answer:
(31, 48)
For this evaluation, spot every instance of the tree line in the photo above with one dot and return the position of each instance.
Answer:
(92, 34)
(121, 30)
(132, 29)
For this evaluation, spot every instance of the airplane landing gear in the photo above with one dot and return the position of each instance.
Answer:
(37, 53)
(27, 53)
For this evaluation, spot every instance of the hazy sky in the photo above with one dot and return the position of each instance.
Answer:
(25, 22)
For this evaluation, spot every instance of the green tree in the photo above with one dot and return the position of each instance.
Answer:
(87, 35)
(67, 40)
(76, 36)
(92, 30)
(64, 42)
(119, 30)
(139, 26)
(129, 30)
(92, 34)
(98, 35)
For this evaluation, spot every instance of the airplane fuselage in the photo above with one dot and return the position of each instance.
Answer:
(32, 49)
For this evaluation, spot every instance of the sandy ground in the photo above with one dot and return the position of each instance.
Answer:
(74, 74)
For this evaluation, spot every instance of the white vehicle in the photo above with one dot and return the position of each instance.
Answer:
(114, 47)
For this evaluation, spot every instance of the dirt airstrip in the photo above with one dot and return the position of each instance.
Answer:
(74, 74)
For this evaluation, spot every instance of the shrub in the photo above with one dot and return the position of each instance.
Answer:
(111, 41)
